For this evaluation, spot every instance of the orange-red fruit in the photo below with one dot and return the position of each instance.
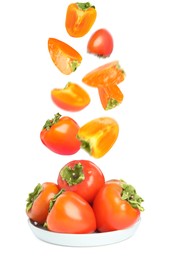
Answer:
(38, 201)
(101, 43)
(71, 214)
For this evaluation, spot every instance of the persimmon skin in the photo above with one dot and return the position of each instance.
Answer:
(79, 19)
(71, 214)
(112, 211)
(83, 177)
(40, 206)
(65, 58)
(101, 43)
(60, 136)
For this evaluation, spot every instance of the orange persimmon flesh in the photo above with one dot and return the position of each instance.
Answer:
(71, 98)
(107, 74)
(98, 136)
(110, 96)
(65, 58)
(80, 17)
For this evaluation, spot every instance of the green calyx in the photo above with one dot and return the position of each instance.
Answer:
(112, 103)
(32, 196)
(129, 194)
(51, 122)
(119, 68)
(73, 175)
(52, 201)
(74, 65)
(85, 145)
(84, 6)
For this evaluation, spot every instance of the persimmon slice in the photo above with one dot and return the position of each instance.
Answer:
(110, 96)
(108, 74)
(65, 58)
(98, 136)
(71, 98)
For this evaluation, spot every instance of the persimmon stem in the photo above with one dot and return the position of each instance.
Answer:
(112, 103)
(74, 64)
(85, 145)
(52, 201)
(32, 196)
(52, 121)
(73, 175)
(129, 194)
(84, 6)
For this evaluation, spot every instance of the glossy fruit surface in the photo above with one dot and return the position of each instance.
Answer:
(59, 135)
(83, 177)
(101, 43)
(71, 214)
(38, 201)
(116, 206)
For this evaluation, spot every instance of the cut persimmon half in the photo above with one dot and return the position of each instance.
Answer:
(71, 98)
(108, 74)
(65, 58)
(110, 96)
(98, 136)
(80, 17)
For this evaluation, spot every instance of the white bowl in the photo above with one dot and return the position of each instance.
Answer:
(82, 240)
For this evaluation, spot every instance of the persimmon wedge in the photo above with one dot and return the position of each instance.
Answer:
(71, 98)
(98, 136)
(65, 58)
(109, 73)
(110, 96)
(80, 17)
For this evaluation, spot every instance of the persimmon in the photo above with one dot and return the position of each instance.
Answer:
(65, 58)
(38, 201)
(101, 43)
(98, 136)
(71, 214)
(83, 177)
(80, 17)
(117, 206)
(109, 73)
(71, 98)
(110, 96)
(59, 135)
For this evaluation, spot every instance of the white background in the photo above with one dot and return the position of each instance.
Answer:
(140, 155)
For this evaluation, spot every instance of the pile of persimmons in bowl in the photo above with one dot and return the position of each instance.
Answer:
(82, 202)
